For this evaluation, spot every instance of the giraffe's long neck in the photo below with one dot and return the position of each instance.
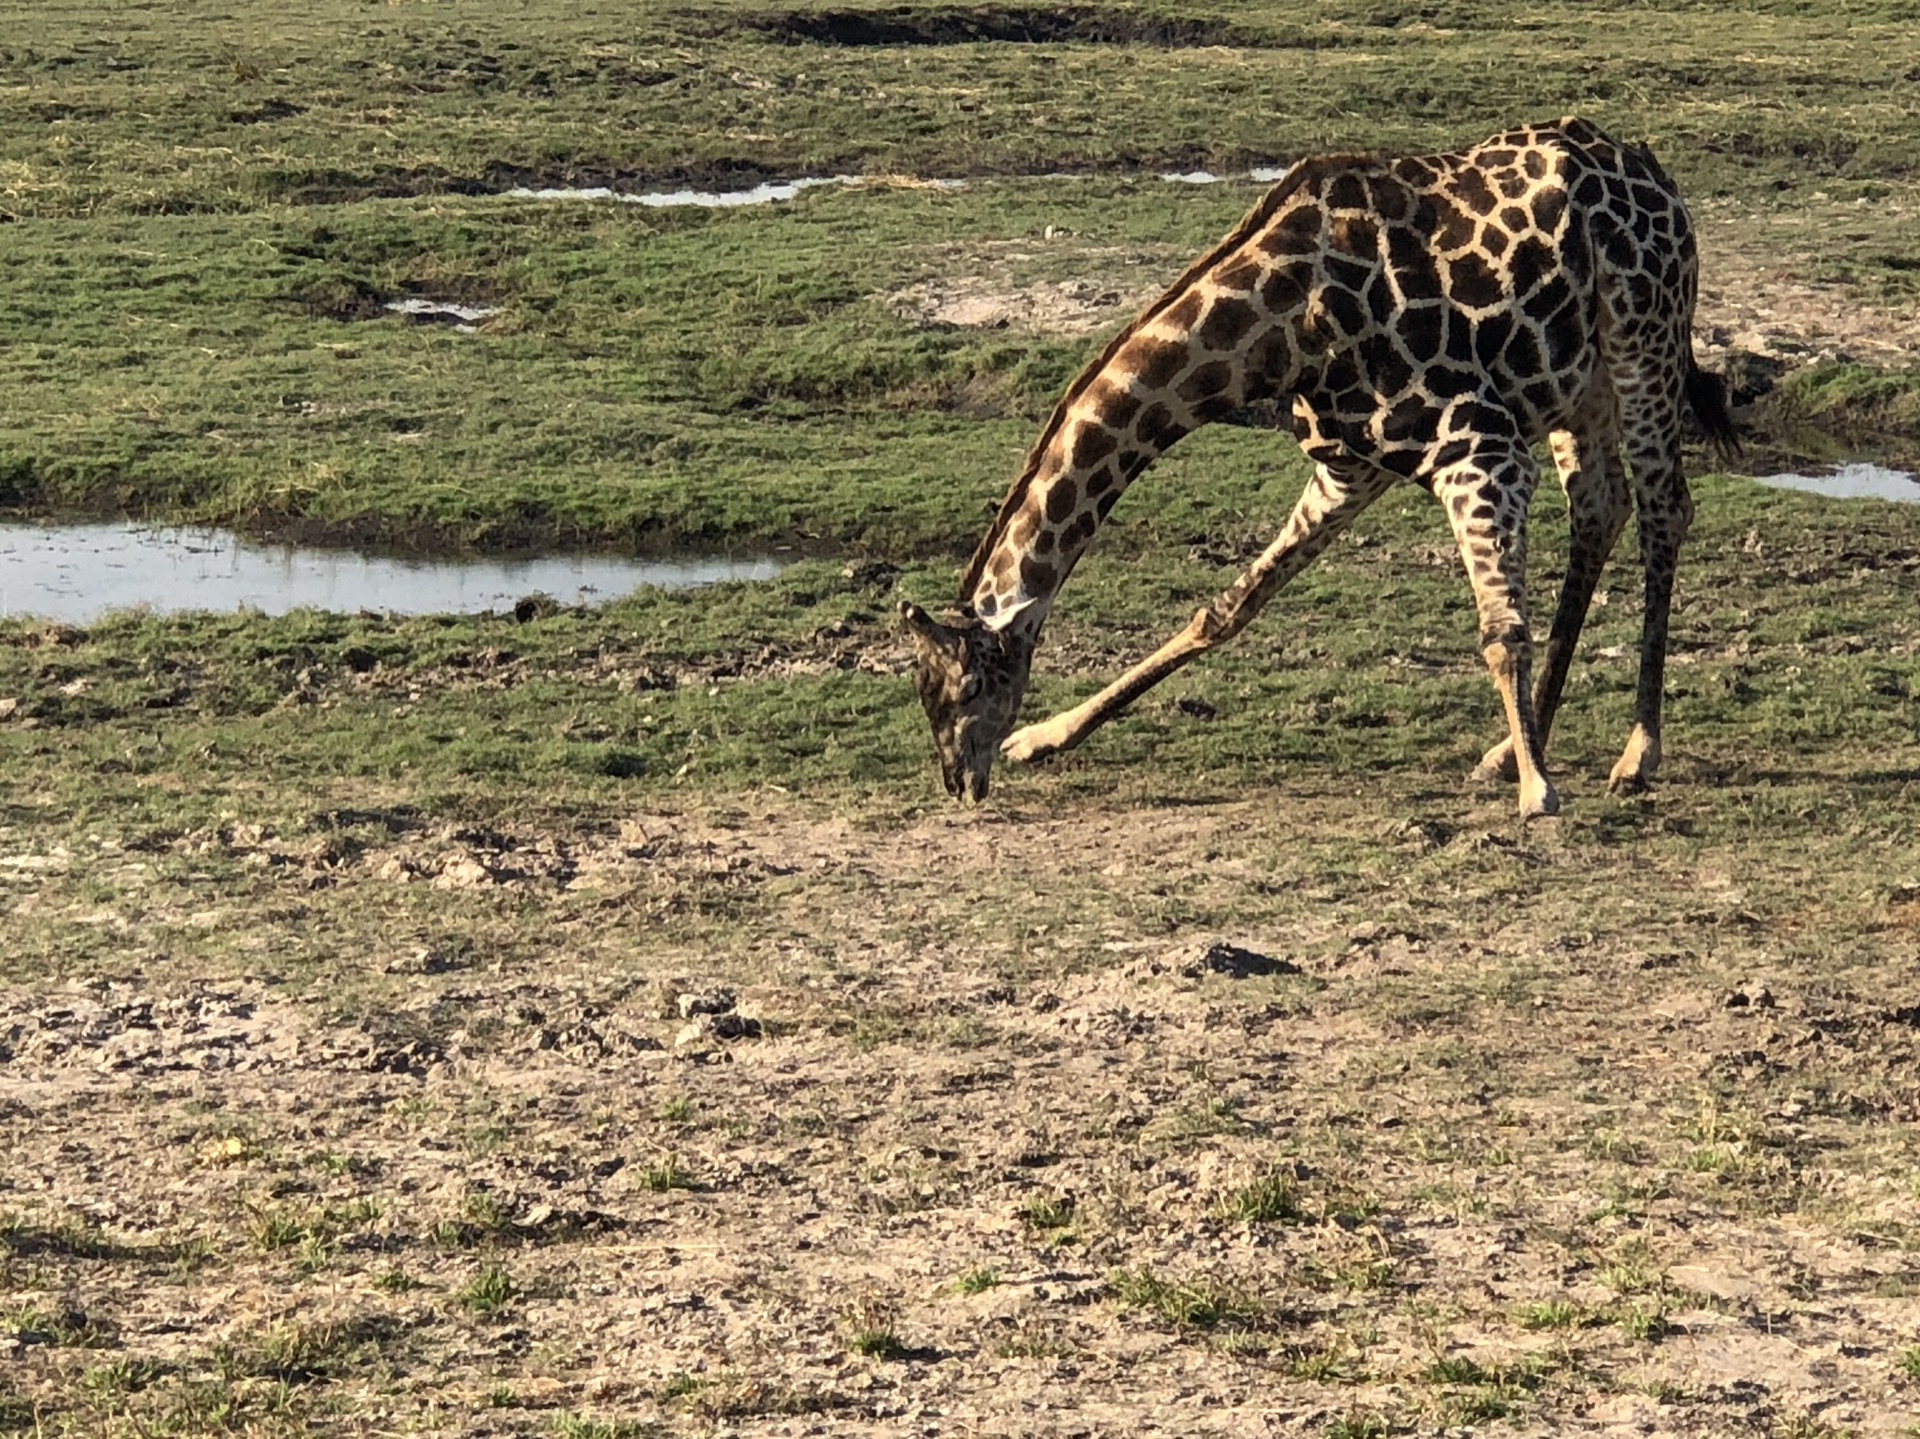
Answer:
(1220, 338)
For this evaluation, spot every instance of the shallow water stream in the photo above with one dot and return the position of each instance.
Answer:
(1852, 482)
(777, 190)
(77, 573)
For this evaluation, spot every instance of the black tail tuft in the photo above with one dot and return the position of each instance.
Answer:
(1707, 398)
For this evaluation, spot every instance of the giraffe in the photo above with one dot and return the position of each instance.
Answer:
(1429, 317)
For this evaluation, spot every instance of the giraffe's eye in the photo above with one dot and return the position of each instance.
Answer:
(969, 689)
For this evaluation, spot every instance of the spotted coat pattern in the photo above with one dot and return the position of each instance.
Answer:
(1430, 318)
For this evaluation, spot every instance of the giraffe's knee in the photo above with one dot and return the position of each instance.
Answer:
(1506, 636)
(1206, 628)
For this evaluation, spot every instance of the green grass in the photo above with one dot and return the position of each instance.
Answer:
(1274, 1198)
(184, 105)
(668, 1174)
(490, 1290)
(1554, 1314)
(881, 1344)
(204, 208)
(1182, 1304)
(222, 199)
(1363, 671)
(978, 1281)
(1048, 1212)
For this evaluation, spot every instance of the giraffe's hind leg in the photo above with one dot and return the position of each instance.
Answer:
(1588, 459)
(1333, 497)
(1663, 508)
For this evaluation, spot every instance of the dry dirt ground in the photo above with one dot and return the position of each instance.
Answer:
(1190, 1114)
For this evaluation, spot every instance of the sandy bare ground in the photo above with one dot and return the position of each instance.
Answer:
(990, 1124)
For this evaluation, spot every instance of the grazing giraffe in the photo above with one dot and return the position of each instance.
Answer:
(1430, 318)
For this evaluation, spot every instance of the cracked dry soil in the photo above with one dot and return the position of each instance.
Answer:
(983, 1124)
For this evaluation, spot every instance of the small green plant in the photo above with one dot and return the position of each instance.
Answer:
(292, 1353)
(1481, 1392)
(1456, 1369)
(487, 1212)
(1712, 1159)
(978, 1281)
(1553, 1314)
(1357, 1425)
(668, 1174)
(1326, 1365)
(1218, 1114)
(677, 1110)
(1361, 1275)
(122, 1376)
(1630, 1277)
(489, 1291)
(577, 1426)
(1908, 1364)
(313, 1230)
(1048, 1211)
(1645, 1325)
(272, 1229)
(501, 1396)
(67, 1329)
(395, 1281)
(1273, 1198)
(1480, 1405)
(877, 1344)
(1187, 1304)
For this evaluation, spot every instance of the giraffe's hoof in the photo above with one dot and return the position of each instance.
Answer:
(1624, 781)
(1634, 769)
(1497, 765)
(1541, 804)
(1025, 746)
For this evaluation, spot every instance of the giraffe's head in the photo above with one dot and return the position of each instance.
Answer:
(971, 681)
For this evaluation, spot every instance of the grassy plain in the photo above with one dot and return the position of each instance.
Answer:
(1244, 1072)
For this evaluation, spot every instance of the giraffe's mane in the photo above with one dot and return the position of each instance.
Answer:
(1254, 219)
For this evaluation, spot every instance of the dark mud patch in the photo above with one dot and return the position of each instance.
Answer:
(265, 111)
(1023, 25)
(331, 185)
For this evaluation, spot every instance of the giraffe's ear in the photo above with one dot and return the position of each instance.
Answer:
(931, 638)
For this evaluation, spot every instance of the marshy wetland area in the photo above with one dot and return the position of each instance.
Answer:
(582, 1014)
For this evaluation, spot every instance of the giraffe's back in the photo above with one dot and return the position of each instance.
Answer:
(1475, 293)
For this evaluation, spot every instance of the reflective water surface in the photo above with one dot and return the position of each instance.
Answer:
(712, 199)
(1852, 482)
(773, 191)
(77, 573)
(464, 318)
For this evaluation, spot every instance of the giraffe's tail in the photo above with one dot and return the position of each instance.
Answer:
(1707, 398)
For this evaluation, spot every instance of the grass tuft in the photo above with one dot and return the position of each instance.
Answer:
(1188, 1304)
(488, 1291)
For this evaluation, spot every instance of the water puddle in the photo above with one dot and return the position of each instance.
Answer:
(77, 573)
(765, 194)
(774, 191)
(464, 318)
(1852, 482)
(1260, 175)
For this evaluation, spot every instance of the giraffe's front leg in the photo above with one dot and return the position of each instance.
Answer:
(1486, 503)
(1066, 729)
(1497, 765)
(1326, 506)
(1039, 741)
